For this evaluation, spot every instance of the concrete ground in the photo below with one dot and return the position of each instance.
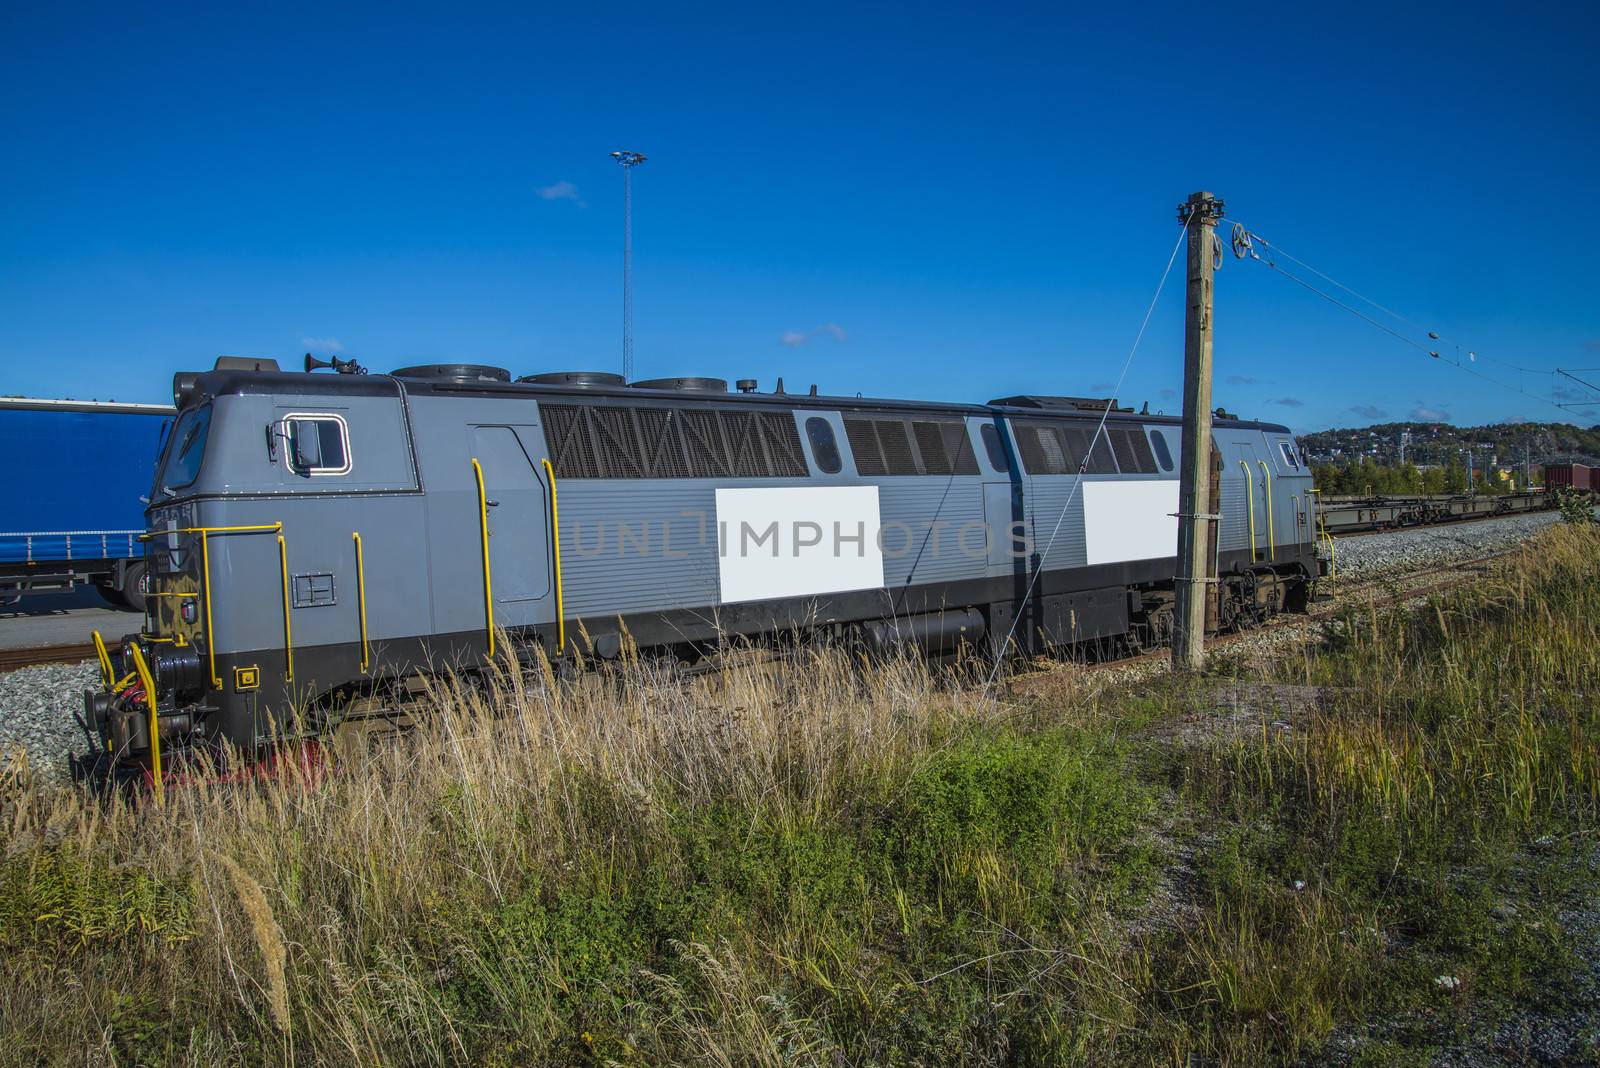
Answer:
(63, 619)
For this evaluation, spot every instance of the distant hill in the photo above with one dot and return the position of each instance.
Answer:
(1443, 444)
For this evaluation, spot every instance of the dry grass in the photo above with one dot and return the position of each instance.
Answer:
(805, 861)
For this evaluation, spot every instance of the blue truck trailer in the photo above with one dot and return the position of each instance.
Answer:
(78, 475)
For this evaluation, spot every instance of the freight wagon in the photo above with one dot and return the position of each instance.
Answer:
(1341, 515)
(1572, 476)
(78, 472)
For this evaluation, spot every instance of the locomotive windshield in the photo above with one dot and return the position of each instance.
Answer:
(185, 450)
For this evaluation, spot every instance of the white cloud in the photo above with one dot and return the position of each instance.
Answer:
(1422, 413)
(321, 344)
(795, 338)
(562, 190)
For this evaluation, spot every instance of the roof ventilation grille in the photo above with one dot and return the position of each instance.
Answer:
(454, 372)
(685, 385)
(1081, 404)
(576, 379)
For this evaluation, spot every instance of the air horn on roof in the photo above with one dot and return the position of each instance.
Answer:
(343, 367)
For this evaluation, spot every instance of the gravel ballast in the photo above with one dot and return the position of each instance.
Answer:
(1369, 556)
(36, 713)
(37, 704)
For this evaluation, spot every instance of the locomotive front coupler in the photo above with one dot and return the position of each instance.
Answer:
(122, 722)
(119, 718)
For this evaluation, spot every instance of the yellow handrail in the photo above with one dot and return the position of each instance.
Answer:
(155, 720)
(361, 600)
(1322, 525)
(1272, 537)
(488, 583)
(105, 660)
(1250, 506)
(211, 642)
(205, 569)
(288, 637)
(148, 535)
(555, 535)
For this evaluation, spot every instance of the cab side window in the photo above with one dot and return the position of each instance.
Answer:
(317, 444)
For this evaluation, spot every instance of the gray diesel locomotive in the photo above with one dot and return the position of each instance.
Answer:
(312, 537)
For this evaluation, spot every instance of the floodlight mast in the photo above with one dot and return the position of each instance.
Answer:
(628, 160)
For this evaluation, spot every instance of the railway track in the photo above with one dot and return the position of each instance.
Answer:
(12, 659)
(1392, 589)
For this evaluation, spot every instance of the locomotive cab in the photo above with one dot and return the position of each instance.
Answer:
(272, 497)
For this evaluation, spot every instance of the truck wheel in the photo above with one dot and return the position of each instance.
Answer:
(135, 581)
(113, 596)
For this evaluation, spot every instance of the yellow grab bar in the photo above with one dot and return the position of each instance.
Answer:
(1272, 538)
(211, 642)
(555, 536)
(1322, 530)
(105, 661)
(288, 638)
(210, 530)
(155, 720)
(483, 529)
(361, 600)
(1250, 506)
(205, 570)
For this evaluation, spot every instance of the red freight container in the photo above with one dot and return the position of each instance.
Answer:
(1578, 476)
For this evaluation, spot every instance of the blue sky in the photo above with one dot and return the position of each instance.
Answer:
(937, 202)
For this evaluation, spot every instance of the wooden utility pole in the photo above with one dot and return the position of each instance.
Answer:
(1199, 214)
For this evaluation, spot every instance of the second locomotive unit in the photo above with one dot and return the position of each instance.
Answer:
(314, 536)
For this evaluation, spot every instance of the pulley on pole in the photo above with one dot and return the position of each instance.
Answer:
(1197, 512)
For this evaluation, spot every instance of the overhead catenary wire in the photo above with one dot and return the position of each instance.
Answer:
(1432, 353)
(1250, 238)
(1094, 442)
(1244, 244)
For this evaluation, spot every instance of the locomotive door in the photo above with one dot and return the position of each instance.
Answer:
(518, 508)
